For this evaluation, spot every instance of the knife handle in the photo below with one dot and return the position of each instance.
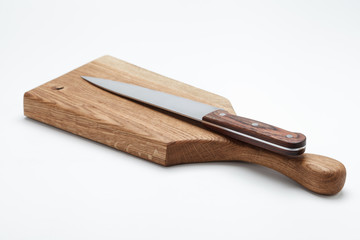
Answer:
(256, 133)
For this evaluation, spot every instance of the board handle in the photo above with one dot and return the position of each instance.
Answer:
(256, 133)
(317, 173)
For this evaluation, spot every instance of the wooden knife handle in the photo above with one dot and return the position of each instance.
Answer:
(256, 133)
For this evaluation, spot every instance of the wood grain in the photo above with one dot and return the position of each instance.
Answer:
(74, 105)
(221, 121)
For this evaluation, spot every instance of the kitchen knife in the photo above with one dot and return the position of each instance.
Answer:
(246, 130)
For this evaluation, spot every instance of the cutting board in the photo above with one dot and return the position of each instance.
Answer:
(74, 105)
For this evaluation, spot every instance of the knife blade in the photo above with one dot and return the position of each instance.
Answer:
(243, 129)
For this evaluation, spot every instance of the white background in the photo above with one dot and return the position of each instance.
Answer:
(294, 64)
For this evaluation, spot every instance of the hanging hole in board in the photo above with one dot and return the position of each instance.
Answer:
(58, 87)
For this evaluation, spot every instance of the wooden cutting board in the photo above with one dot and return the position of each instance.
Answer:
(72, 104)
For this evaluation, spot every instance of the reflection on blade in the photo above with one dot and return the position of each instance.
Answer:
(169, 102)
